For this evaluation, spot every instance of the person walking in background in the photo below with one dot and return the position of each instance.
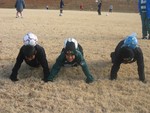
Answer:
(61, 7)
(127, 51)
(144, 10)
(99, 7)
(19, 5)
(111, 8)
(71, 56)
(33, 54)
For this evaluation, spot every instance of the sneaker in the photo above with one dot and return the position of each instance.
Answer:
(144, 37)
(60, 14)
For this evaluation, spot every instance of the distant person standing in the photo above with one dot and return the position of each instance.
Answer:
(47, 7)
(61, 7)
(20, 5)
(111, 8)
(144, 10)
(99, 7)
(81, 7)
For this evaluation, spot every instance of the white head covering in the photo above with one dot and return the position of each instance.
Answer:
(71, 40)
(30, 39)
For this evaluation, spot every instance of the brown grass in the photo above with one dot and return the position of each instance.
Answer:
(69, 93)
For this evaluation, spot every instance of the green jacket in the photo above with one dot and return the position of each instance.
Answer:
(61, 61)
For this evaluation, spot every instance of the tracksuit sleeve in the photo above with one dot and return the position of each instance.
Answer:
(117, 61)
(114, 70)
(140, 64)
(17, 65)
(117, 49)
(84, 66)
(44, 63)
(56, 67)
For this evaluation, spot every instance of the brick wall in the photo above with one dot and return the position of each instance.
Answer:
(119, 5)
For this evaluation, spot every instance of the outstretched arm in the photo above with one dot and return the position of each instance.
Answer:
(85, 69)
(43, 61)
(16, 67)
(140, 63)
(56, 67)
(114, 70)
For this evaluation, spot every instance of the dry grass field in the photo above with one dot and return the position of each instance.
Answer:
(69, 93)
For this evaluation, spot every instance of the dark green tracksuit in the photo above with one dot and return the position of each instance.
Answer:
(62, 61)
